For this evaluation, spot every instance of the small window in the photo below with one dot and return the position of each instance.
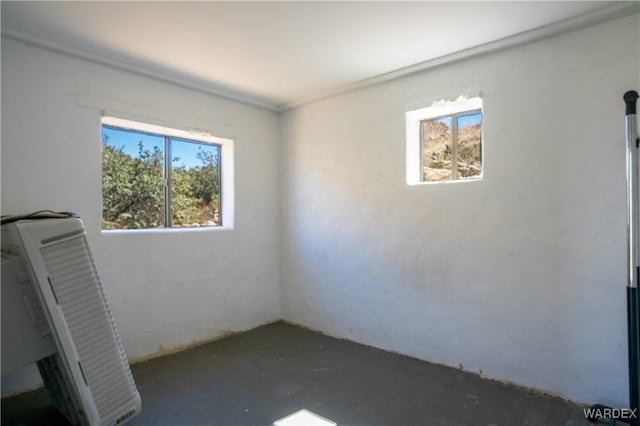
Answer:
(154, 177)
(444, 142)
(452, 147)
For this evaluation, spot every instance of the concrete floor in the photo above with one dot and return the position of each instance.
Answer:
(257, 377)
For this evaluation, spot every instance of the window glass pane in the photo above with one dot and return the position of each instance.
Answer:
(195, 184)
(436, 149)
(469, 145)
(132, 179)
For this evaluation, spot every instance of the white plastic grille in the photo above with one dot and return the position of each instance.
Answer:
(77, 288)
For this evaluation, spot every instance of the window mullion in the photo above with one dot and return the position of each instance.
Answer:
(220, 194)
(422, 124)
(454, 147)
(167, 182)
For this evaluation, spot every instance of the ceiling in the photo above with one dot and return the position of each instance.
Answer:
(275, 54)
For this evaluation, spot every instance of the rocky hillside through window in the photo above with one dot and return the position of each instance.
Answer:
(441, 137)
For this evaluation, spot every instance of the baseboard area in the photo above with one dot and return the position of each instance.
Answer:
(13, 388)
(28, 379)
(170, 350)
(540, 392)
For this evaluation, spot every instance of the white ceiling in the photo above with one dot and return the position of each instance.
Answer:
(275, 54)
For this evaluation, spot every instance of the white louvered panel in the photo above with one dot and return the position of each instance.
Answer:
(89, 334)
(105, 366)
(73, 276)
(109, 400)
(97, 345)
(100, 357)
(68, 282)
(79, 293)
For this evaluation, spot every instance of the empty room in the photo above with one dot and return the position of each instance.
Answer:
(320, 213)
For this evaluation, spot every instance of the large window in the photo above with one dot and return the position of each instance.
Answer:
(159, 180)
(444, 142)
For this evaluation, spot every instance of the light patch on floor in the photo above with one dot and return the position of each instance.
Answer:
(304, 418)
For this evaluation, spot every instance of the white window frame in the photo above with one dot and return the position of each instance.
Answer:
(227, 192)
(438, 109)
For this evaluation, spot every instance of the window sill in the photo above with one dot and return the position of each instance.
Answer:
(165, 230)
(445, 182)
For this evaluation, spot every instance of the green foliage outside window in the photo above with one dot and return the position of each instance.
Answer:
(133, 192)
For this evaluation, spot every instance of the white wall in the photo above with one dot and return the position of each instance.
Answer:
(520, 276)
(165, 288)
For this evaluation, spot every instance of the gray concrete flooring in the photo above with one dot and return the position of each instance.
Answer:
(257, 377)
